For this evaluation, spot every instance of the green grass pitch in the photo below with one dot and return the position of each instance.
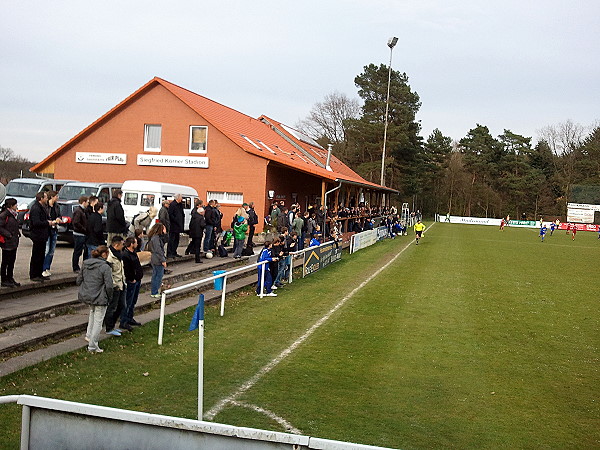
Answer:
(476, 338)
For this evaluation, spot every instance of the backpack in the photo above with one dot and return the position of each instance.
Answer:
(248, 251)
(222, 251)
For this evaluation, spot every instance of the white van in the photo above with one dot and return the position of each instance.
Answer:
(140, 195)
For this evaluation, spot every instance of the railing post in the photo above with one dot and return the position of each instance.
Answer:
(262, 279)
(161, 322)
(223, 297)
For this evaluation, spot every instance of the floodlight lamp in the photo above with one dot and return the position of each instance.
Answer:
(392, 42)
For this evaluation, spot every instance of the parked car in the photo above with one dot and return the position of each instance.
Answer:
(75, 189)
(24, 191)
(140, 195)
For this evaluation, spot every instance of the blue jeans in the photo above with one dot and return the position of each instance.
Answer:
(268, 279)
(301, 241)
(50, 246)
(208, 231)
(131, 296)
(78, 249)
(157, 275)
(238, 247)
(91, 248)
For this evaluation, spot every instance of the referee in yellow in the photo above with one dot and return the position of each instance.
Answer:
(419, 228)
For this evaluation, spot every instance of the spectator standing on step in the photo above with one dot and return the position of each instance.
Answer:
(39, 230)
(133, 280)
(176, 218)
(211, 218)
(95, 231)
(252, 222)
(116, 302)
(163, 216)
(95, 289)
(115, 217)
(80, 230)
(158, 261)
(9, 230)
(53, 216)
(197, 224)
(239, 233)
(297, 226)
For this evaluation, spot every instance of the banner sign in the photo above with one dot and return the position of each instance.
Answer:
(362, 240)
(580, 226)
(382, 233)
(583, 206)
(101, 158)
(523, 223)
(580, 215)
(320, 257)
(200, 162)
(474, 220)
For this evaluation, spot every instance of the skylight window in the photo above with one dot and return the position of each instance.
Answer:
(266, 146)
(251, 141)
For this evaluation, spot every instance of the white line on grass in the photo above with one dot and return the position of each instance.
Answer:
(210, 415)
(280, 420)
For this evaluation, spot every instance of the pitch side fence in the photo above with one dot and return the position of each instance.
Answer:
(313, 259)
(50, 424)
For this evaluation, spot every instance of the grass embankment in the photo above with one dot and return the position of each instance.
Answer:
(473, 339)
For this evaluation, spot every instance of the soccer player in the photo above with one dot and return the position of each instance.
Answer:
(574, 227)
(543, 230)
(502, 223)
(419, 227)
(552, 225)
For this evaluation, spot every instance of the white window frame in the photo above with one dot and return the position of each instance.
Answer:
(226, 198)
(206, 143)
(146, 130)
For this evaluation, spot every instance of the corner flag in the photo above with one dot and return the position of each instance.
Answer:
(198, 314)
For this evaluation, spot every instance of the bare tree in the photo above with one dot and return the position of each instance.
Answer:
(326, 118)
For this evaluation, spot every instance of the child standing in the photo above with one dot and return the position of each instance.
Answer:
(265, 255)
(239, 233)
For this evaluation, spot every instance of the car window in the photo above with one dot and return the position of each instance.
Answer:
(73, 192)
(21, 189)
(147, 200)
(130, 198)
(186, 202)
(103, 196)
(46, 188)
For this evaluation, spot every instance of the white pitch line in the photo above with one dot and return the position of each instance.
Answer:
(270, 414)
(210, 415)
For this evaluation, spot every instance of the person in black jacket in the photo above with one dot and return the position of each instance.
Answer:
(54, 216)
(197, 224)
(211, 218)
(115, 217)
(95, 228)
(39, 231)
(252, 222)
(9, 230)
(176, 218)
(80, 231)
(133, 279)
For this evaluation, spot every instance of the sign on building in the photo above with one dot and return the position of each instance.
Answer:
(101, 158)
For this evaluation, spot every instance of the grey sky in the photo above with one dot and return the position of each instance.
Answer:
(519, 65)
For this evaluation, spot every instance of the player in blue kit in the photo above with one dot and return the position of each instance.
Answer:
(543, 231)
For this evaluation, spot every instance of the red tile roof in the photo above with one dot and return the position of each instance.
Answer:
(263, 137)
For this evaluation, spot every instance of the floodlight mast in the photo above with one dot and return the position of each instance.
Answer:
(391, 44)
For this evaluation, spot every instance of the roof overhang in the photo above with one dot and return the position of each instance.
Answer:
(367, 186)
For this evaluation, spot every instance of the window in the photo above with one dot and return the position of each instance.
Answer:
(186, 202)
(236, 198)
(147, 200)
(152, 138)
(103, 196)
(198, 138)
(130, 198)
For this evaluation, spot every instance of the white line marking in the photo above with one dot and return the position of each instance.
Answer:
(210, 415)
(270, 414)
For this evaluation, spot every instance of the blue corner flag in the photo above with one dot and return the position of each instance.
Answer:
(198, 314)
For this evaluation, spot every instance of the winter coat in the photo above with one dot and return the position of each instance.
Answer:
(80, 221)
(53, 214)
(38, 220)
(95, 232)
(211, 216)
(158, 251)
(163, 217)
(95, 282)
(131, 266)
(115, 217)
(176, 216)
(197, 224)
(297, 225)
(9, 228)
(252, 217)
(115, 259)
(239, 231)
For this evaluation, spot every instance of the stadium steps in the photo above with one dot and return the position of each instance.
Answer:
(42, 318)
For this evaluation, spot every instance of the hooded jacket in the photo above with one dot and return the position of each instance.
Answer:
(9, 228)
(115, 260)
(95, 282)
(115, 217)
